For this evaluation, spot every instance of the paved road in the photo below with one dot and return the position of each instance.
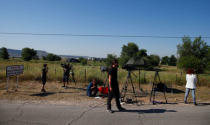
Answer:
(26, 113)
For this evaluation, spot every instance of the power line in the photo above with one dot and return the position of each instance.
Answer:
(89, 35)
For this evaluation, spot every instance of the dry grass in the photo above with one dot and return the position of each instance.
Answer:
(76, 94)
(32, 91)
(32, 71)
(30, 85)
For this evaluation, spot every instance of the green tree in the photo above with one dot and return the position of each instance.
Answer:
(165, 60)
(208, 57)
(194, 53)
(187, 62)
(109, 59)
(44, 58)
(83, 61)
(142, 53)
(154, 60)
(28, 54)
(127, 52)
(53, 57)
(172, 61)
(4, 53)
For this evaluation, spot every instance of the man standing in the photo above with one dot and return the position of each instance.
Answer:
(191, 79)
(113, 87)
(66, 71)
(44, 77)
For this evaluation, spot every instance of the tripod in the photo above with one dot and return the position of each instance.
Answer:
(125, 89)
(157, 86)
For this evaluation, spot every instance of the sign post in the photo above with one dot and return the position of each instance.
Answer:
(14, 70)
(7, 83)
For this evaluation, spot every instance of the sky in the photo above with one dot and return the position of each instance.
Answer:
(170, 18)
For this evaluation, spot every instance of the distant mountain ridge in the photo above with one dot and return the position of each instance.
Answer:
(40, 53)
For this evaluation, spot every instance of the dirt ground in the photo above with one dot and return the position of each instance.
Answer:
(76, 94)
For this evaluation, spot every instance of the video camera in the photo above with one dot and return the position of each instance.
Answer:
(104, 69)
(130, 67)
(65, 66)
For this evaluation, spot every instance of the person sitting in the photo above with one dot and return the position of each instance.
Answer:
(92, 89)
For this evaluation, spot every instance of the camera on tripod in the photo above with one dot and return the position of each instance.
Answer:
(104, 69)
(130, 67)
(63, 65)
(66, 66)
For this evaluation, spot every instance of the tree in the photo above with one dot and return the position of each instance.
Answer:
(128, 52)
(165, 60)
(4, 53)
(193, 54)
(208, 58)
(44, 58)
(142, 53)
(28, 54)
(154, 60)
(110, 58)
(53, 57)
(83, 61)
(172, 61)
(191, 62)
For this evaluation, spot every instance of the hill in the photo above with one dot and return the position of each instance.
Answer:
(40, 53)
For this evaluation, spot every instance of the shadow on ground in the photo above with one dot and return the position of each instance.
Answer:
(203, 104)
(161, 102)
(148, 111)
(43, 94)
(173, 90)
(76, 88)
(47, 93)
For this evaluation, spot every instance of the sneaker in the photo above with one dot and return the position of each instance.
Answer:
(195, 103)
(63, 86)
(185, 102)
(43, 90)
(110, 111)
(121, 109)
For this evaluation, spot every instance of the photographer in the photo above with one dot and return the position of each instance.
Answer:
(66, 71)
(113, 87)
(44, 77)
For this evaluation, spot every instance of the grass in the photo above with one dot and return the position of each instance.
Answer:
(32, 71)
(30, 84)
(76, 94)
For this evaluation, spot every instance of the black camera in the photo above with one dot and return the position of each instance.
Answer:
(104, 69)
(66, 66)
(63, 65)
(129, 67)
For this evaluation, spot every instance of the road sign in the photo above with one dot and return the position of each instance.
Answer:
(14, 70)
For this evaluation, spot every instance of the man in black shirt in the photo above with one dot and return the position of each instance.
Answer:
(44, 77)
(113, 87)
(66, 71)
